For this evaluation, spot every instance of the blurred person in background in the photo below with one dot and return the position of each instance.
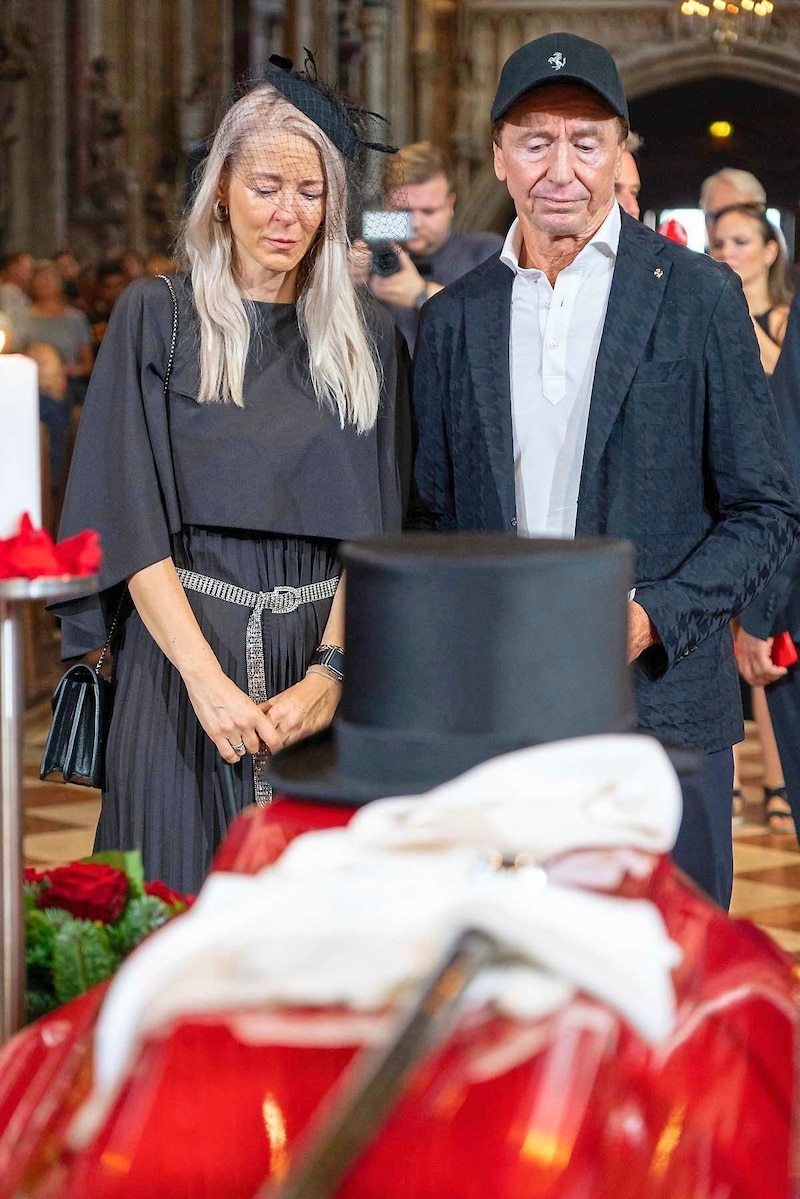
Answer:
(110, 283)
(628, 184)
(158, 263)
(15, 280)
(419, 180)
(53, 411)
(744, 238)
(131, 264)
(51, 319)
(726, 187)
(777, 610)
(69, 268)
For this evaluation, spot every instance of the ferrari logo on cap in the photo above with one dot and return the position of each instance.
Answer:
(557, 60)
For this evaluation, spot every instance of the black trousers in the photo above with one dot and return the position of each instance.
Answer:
(783, 701)
(704, 848)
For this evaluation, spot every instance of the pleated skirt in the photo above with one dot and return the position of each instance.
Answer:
(163, 792)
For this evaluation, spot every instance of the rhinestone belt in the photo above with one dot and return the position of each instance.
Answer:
(279, 601)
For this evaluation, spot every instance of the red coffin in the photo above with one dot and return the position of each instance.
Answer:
(574, 1106)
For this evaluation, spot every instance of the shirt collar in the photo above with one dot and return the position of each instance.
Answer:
(605, 240)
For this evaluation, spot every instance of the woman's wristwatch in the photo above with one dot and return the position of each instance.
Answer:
(329, 660)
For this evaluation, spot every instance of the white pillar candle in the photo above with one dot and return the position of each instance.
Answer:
(20, 475)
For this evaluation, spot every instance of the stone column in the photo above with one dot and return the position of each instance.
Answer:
(424, 69)
(376, 24)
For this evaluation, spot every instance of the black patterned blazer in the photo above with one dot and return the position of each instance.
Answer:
(684, 456)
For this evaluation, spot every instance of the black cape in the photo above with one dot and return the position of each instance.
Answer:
(143, 468)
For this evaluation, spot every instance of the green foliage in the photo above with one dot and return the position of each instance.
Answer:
(140, 917)
(82, 957)
(39, 1002)
(66, 956)
(40, 935)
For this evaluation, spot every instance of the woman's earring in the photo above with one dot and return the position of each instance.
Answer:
(220, 212)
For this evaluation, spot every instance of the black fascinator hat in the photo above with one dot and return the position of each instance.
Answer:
(462, 647)
(344, 123)
(349, 127)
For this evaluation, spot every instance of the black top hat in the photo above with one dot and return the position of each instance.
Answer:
(559, 58)
(461, 647)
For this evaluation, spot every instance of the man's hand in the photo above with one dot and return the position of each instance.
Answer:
(402, 288)
(641, 633)
(753, 659)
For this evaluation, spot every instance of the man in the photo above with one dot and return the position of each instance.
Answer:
(15, 279)
(418, 180)
(727, 187)
(628, 184)
(597, 378)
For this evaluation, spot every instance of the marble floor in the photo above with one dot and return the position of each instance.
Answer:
(60, 822)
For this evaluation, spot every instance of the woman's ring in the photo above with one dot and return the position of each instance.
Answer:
(241, 748)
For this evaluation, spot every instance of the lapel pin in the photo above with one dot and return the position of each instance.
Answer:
(658, 272)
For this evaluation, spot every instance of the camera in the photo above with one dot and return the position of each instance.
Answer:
(382, 230)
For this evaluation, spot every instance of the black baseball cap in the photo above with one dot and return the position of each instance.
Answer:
(559, 58)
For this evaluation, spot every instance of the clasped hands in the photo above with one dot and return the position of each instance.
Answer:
(238, 726)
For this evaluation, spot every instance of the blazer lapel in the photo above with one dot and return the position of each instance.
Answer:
(640, 279)
(487, 319)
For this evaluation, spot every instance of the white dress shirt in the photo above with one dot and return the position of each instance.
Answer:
(555, 337)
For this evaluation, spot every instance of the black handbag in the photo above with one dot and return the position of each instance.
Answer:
(74, 752)
(75, 747)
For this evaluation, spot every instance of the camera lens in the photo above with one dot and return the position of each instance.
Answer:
(385, 261)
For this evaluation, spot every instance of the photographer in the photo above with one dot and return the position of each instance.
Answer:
(418, 180)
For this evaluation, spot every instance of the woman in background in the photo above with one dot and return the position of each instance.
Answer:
(744, 238)
(52, 319)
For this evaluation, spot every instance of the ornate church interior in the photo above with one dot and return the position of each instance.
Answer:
(406, 948)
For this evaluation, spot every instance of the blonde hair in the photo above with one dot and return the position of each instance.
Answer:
(343, 366)
(744, 182)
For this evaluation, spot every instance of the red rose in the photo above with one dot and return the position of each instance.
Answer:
(87, 890)
(171, 898)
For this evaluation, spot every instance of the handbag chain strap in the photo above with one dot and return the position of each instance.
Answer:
(167, 374)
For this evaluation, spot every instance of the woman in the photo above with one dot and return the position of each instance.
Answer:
(285, 416)
(51, 319)
(745, 239)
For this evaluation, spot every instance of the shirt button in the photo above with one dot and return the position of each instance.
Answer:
(552, 345)
(546, 304)
(513, 522)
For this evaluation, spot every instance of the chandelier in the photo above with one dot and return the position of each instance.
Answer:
(728, 19)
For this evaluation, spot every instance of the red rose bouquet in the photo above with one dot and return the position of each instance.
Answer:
(81, 920)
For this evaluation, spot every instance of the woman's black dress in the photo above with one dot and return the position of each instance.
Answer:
(257, 496)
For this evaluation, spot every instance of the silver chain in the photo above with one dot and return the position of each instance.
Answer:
(279, 601)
